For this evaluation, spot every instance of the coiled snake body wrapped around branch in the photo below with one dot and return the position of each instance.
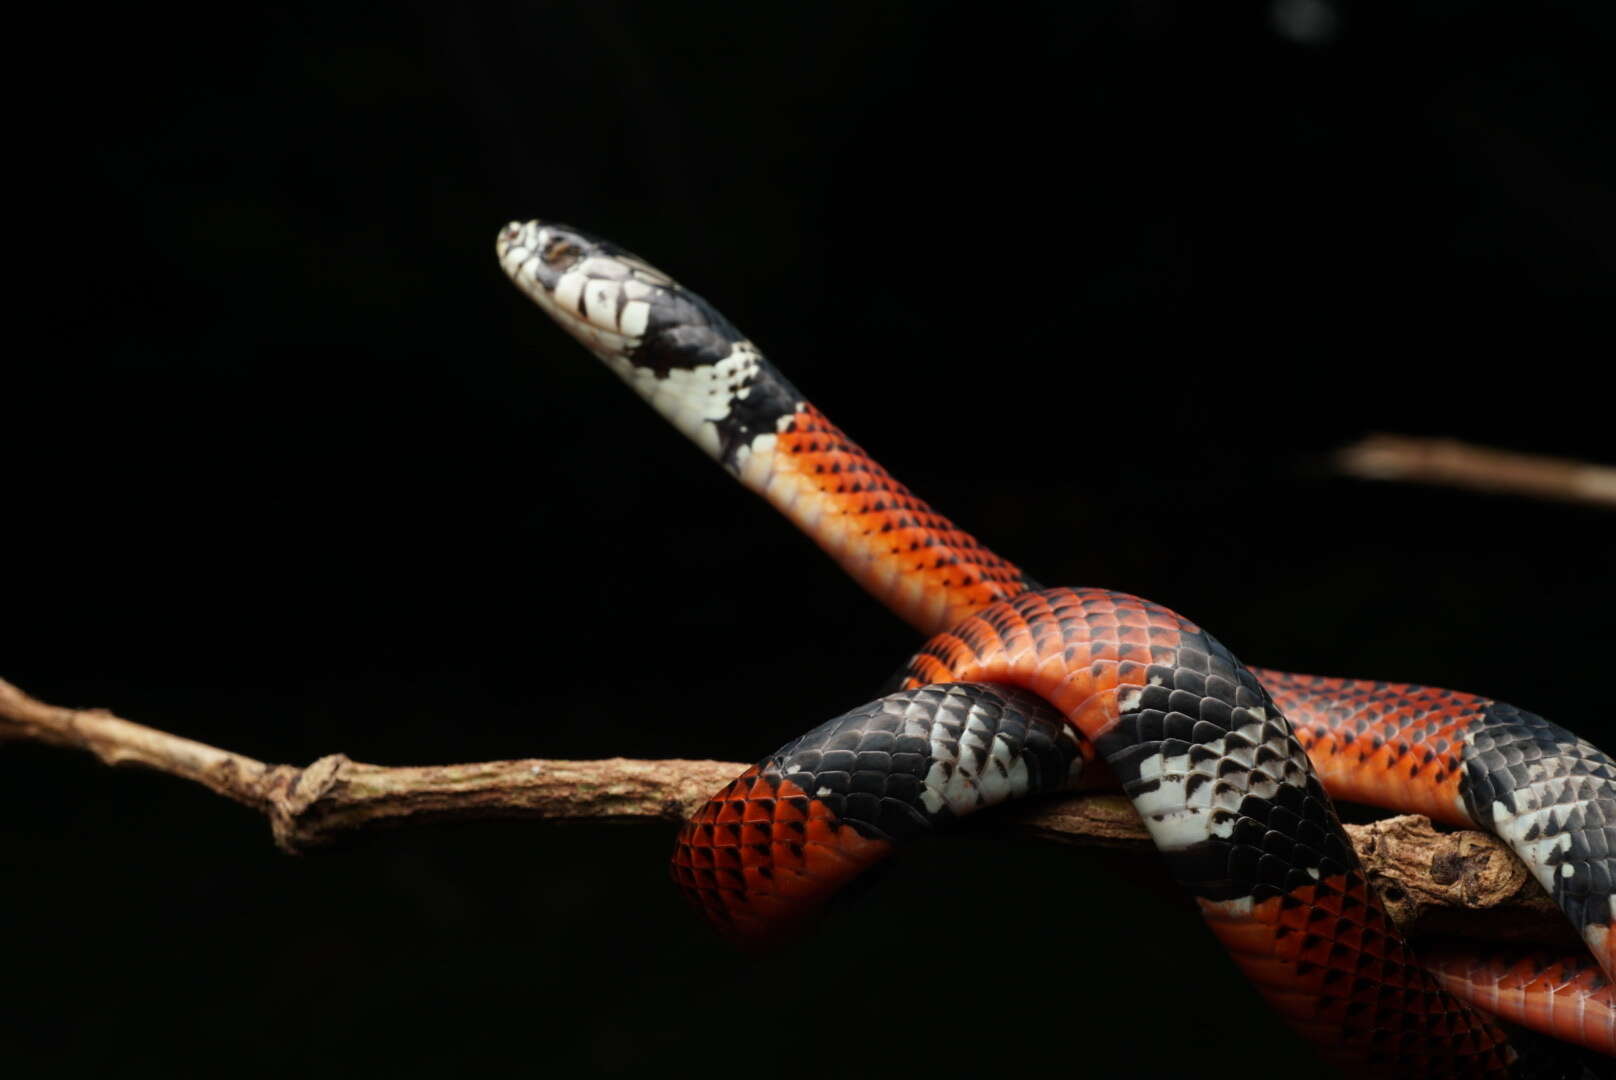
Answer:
(1020, 687)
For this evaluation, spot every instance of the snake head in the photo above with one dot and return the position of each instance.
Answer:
(620, 307)
(666, 342)
(581, 282)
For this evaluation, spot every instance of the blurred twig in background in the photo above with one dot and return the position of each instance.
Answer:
(1456, 464)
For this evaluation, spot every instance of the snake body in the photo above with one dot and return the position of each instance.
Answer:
(1020, 686)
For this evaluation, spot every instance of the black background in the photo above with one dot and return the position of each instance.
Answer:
(291, 469)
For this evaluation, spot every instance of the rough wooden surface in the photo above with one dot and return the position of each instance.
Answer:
(1434, 882)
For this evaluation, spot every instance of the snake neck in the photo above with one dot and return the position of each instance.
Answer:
(692, 366)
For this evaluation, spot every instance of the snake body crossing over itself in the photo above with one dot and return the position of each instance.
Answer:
(1020, 687)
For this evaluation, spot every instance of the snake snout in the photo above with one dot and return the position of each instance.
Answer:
(542, 253)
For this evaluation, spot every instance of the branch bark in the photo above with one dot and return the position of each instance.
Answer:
(1448, 883)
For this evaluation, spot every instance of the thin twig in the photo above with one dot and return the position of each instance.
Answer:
(1481, 468)
(1433, 882)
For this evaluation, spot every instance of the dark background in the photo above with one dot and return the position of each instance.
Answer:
(290, 468)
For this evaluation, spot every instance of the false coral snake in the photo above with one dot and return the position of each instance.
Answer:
(1020, 686)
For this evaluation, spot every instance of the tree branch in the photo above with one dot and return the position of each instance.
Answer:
(1456, 464)
(1463, 883)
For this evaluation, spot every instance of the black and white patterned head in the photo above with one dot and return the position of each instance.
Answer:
(607, 298)
(666, 342)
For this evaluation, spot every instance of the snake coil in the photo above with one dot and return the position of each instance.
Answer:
(1020, 687)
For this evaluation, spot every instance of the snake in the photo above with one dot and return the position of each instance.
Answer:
(1020, 689)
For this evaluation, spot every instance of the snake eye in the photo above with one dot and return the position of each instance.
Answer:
(560, 253)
